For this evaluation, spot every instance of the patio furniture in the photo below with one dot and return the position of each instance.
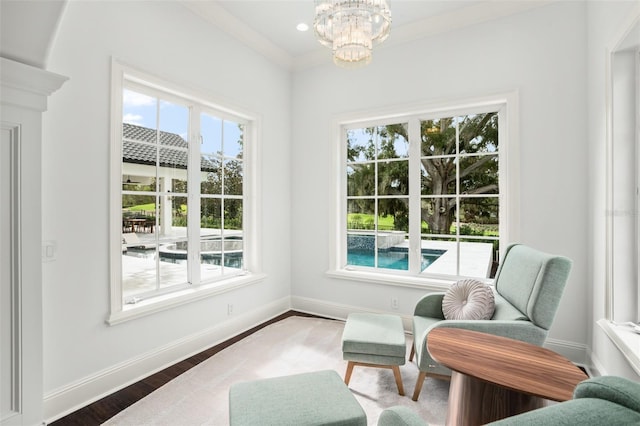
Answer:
(374, 340)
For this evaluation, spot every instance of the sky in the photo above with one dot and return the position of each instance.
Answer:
(217, 134)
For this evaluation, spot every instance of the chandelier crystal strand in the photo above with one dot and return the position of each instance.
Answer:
(351, 28)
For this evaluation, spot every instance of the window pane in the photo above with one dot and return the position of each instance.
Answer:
(138, 270)
(139, 246)
(439, 255)
(393, 214)
(173, 217)
(361, 214)
(234, 251)
(233, 136)
(438, 175)
(173, 263)
(221, 247)
(361, 179)
(479, 133)
(477, 258)
(232, 215)
(438, 214)
(479, 216)
(393, 178)
(211, 174)
(361, 249)
(479, 174)
(360, 146)
(173, 165)
(211, 133)
(438, 136)
(139, 109)
(392, 141)
(174, 124)
(210, 216)
(233, 177)
(393, 258)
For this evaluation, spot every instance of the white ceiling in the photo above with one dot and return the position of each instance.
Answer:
(268, 26)
(277, 20)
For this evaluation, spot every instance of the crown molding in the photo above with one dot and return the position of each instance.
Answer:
(476, 13)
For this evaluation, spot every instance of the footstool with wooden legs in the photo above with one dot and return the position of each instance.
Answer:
(374, 340)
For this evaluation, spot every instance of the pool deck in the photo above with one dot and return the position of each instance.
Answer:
(476, 259)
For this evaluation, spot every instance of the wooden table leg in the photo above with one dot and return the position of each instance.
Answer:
(475, 402)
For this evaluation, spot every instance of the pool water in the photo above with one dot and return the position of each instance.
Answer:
(391, 259)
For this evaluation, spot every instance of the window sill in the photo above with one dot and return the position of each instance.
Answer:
(627, 341)
(170, 300)
(411, 281)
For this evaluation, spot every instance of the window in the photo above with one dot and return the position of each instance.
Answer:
(622, 249)
(179, 193)
(424, 195)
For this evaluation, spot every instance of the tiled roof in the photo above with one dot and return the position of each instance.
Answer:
(145, 153)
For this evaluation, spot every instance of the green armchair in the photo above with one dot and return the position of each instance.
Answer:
(527, 290)
(606, 400)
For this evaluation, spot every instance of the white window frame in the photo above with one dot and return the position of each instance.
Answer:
(506, 104)
(622, 251)
(119, 311)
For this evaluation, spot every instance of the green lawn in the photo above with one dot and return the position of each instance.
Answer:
(365, 221)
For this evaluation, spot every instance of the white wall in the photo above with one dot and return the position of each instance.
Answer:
(166, 39)
(541, 54)
(606, 21)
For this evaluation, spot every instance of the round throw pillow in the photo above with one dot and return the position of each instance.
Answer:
(468, 300)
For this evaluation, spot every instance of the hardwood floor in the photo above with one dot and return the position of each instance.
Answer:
(107, 407)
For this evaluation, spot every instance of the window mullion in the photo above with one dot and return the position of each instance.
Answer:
(458, 251)
(193, 197)
(415, 217)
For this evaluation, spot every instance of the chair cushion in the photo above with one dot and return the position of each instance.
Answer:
(468, 300)
(374, 339)
(400, 415)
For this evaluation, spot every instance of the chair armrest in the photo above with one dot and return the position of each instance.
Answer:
(612, 388)
(430, 306)
(400, 415)
(525, 331)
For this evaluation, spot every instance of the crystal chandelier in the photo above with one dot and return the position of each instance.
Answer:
(351, 28)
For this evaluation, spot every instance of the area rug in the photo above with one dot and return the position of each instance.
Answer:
(293, 345)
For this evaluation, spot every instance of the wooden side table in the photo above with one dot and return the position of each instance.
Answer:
(495, 377)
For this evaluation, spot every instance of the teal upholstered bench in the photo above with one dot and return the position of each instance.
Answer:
(317, 398)
(374, 340)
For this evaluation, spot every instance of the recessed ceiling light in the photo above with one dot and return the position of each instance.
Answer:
(302, 26)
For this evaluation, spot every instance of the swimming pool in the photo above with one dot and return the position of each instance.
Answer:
(393, 258)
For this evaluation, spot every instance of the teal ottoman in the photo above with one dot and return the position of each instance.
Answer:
(317, 398)
(374, 340)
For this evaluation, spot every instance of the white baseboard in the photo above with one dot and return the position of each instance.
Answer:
(339, 311)
(73, 396)
(575, 352)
